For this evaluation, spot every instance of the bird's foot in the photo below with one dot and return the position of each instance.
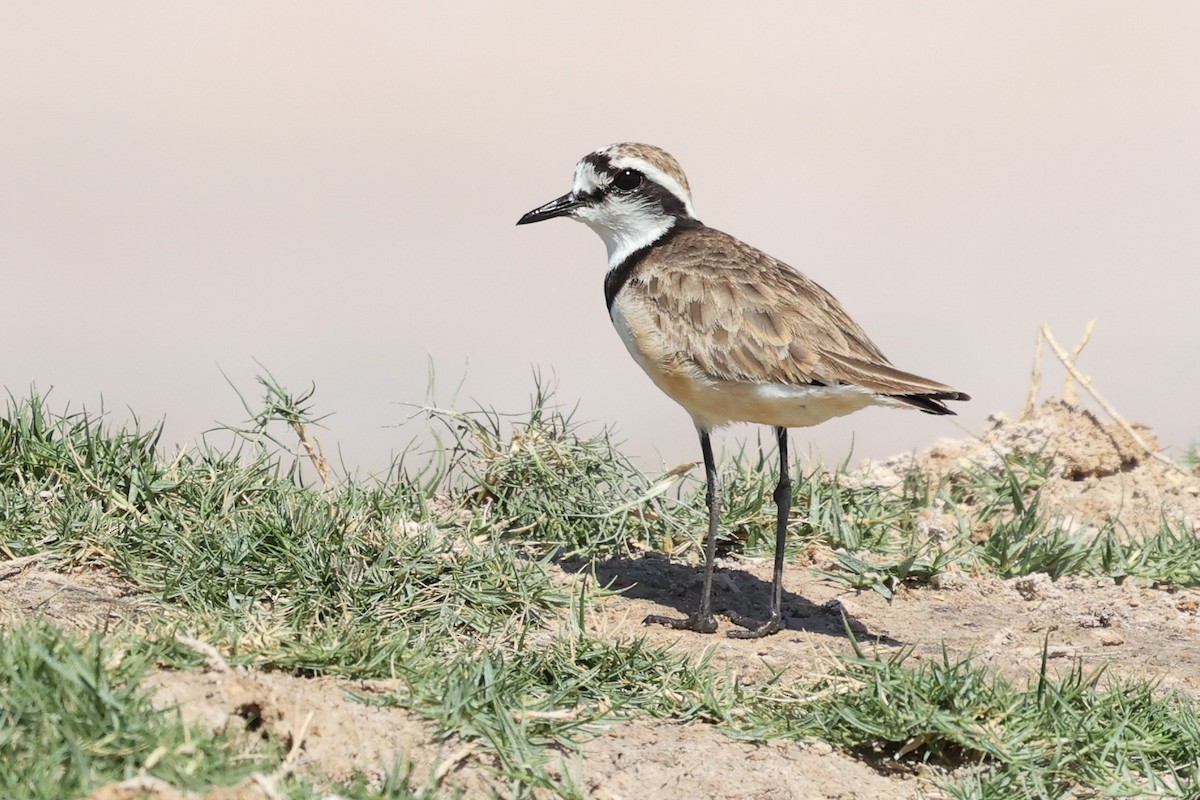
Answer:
(755, 629)
(692, 622)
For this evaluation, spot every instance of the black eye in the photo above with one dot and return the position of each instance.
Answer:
(627, 180)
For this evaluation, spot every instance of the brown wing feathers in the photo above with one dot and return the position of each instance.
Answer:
(743, 316)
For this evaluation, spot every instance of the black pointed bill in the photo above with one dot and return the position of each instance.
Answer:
(559, 207)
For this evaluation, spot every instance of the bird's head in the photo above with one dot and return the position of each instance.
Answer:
(630, 194)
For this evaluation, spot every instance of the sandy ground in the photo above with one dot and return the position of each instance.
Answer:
(1134, 628)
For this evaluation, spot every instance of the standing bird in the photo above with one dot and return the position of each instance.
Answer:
(727, 331)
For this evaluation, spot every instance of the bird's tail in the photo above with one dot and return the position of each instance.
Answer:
(904, 387)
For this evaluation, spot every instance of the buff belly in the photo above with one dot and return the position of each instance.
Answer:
(713, 403)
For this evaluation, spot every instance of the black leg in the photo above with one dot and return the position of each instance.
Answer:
(783, 505)
(703, 620)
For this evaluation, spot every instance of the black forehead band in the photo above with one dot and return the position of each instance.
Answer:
(600, 161)
(603, 166)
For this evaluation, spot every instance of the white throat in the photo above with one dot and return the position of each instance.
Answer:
(626, 231)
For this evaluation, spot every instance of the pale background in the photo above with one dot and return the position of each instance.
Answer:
(331, 189)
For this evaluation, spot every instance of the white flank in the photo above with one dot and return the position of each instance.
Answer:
(719, 403)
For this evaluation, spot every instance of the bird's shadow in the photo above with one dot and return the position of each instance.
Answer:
(655, 578)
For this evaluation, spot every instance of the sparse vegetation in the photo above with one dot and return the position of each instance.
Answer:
(1041, 740)
(1191, 459)
(441, 581)
(72, 717)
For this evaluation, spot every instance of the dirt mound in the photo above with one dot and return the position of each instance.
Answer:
(1099, 474)
(668, 759)
(333, 734)
(338, 737)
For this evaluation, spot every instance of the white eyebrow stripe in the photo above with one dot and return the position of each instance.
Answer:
(658, 176)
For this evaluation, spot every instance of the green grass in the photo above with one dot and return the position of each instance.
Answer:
(439, 577)
(1006, 741)
(72, 717)
(886, 550)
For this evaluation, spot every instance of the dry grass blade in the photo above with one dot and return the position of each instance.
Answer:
(456, 758)
(1035, 380)
(316, 453)
(212, 657)
(1070, 390)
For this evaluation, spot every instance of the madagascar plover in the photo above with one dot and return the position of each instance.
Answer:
(727, 331)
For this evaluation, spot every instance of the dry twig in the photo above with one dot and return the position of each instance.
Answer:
(1035, 380)
(451, 763)
(212, 657)
(1070, 394)
(1086, 383)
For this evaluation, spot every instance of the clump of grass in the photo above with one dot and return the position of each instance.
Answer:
(72, 718)
(529, 705)
(540, 477)
(1002, 529)
(1056, 734)
(1170, 556)
(279, 405)
(351, 580)
(1023, 540)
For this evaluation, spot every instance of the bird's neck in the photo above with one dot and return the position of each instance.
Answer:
(620, 271)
